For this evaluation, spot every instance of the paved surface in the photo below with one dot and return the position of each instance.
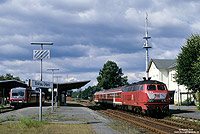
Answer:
(187, 111)
(74, 114)
(78, 114)
(27, 111)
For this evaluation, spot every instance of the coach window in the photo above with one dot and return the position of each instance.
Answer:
(134, 88)
(116, 95)
(137, 88)
(151, 87)
(141, 88)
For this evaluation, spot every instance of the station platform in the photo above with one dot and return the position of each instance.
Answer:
(186, 111)
(77, 114)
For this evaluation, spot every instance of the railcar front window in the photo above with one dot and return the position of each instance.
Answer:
(20, 94)
(161, 87)
(151, 87)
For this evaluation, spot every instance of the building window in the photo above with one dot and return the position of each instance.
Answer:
(172, 77)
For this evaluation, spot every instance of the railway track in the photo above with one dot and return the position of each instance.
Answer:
(152, 125)
(162, 126)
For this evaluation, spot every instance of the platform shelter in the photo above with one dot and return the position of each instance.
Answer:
(64, 90)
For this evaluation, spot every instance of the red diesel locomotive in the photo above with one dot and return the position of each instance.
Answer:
(147, 97)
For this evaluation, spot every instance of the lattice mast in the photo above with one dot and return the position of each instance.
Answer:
(146, 44)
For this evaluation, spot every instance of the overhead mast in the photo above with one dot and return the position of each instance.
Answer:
(146, 45)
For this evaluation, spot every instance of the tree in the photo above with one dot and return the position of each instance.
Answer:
(87, 93)
(188, 65)
(187, 69)
(9, 76)
(111, 76)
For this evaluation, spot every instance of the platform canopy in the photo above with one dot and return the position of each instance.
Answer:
(8, 84)
(70, 85)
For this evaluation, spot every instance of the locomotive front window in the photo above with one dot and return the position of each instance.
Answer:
(161, 87)
(151, 87)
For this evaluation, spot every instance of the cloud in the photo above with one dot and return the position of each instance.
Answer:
(88, 33)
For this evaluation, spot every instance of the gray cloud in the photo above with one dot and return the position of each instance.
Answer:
(88, 33)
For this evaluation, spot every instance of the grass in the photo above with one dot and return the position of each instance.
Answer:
(30, 126)
(198, 107)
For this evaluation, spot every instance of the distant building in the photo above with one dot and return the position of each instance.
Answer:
(164, 70)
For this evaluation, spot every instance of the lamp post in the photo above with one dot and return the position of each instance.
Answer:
(40, 57)
(57, 90)
(52, 69)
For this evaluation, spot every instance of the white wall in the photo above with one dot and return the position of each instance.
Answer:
(166, 76)
(154, 73)
(173, 86)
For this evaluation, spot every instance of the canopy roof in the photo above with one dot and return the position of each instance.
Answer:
(71, 85)
(8, 84)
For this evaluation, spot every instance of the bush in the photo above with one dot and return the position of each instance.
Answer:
(1, 105)
(27, 122)
(198, 107)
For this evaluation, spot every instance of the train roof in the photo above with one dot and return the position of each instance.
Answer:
(112, 89)
(147, 82)
(136, 83)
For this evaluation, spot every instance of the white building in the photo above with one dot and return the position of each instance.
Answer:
(164, 70)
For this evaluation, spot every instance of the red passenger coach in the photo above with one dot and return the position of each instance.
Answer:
(111, 96)
(148, 97)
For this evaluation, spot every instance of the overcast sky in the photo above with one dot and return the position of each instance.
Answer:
(88, 33)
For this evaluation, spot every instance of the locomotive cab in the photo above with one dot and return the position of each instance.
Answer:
(157, 98)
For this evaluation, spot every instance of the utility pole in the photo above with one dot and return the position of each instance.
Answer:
(146, 45)
(52, 69)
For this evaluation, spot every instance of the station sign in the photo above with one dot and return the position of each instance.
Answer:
(41, 84)
(41, 54)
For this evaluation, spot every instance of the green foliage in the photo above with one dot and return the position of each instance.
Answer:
(1, 106)
(87, 93)
(188, 64)
(75, 94)
(197, 96)
(27, 122)
(111, 76)
(9, 77)
(198, 107)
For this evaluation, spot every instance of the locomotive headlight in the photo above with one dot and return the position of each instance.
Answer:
(164, 101)
(150, 101)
